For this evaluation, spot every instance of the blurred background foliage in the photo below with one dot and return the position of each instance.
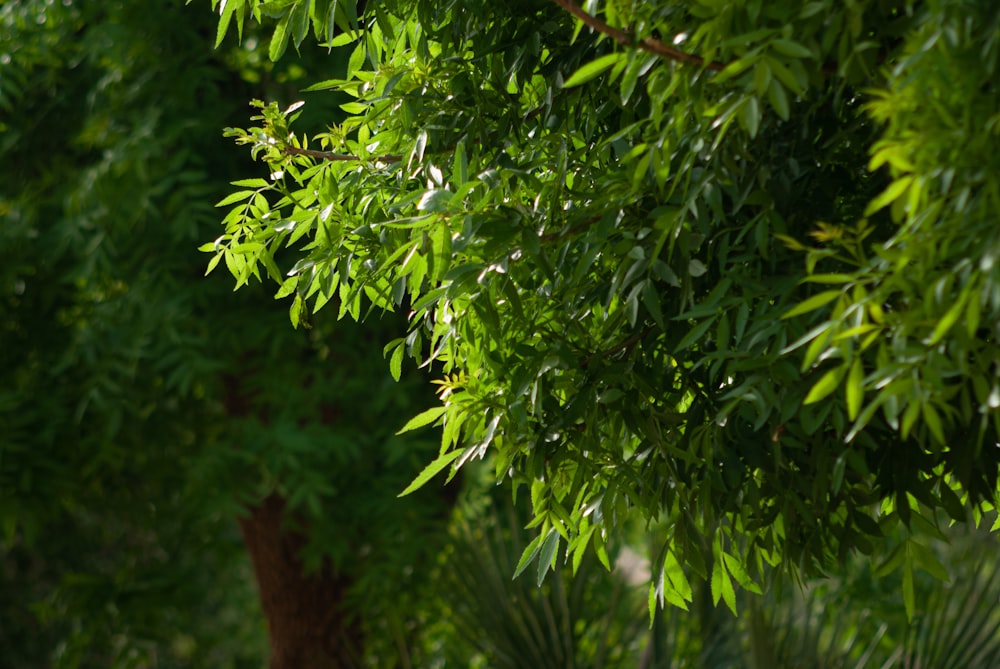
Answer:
(143, 407)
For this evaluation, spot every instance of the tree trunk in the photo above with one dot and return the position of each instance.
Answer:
(305, 617)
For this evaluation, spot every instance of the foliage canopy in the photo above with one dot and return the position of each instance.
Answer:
(732, 265)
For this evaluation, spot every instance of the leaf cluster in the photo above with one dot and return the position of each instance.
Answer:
(729, 266)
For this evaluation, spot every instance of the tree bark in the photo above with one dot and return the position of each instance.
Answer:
(307, 626)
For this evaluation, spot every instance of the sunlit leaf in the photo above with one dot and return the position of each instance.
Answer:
(431, 470)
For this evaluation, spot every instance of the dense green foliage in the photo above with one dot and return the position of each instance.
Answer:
(598, 285)
(728, 264)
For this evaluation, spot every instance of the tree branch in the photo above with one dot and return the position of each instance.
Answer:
(329, 155)
(623, 347)
(386, 158)
(650, 44)
(549, 236)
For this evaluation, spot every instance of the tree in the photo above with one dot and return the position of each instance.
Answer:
(143, 409)
(728, 265)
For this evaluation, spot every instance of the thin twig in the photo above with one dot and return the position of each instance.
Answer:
(386, 158)
(624, 346)
(650, 44)
(343, 157)
(549, 236)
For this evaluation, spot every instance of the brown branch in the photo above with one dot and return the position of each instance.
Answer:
(624, 346)
(329, 155)
(650, 44)
(653, 45)
(549, 236)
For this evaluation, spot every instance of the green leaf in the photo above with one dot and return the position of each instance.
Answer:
(813, 303)
(528, 554)
(354, 107)
(632, 73)
(214, 262)
(460, 165)
(933, 422)
(785, 76)
(926, 560)
(424, 418)
(696, 268)
(951, 503)
(678, 579)
(722, 586)
(396, 362)
(279, 40)
(651, 300)
(828, 278)
(579, 547)
(948, 320)
(735, 68)
(593, 69)
(238, 196)
(547, 555)
(357, 59)
(891, 562)
(251, 183)
(294, 311)
(779, 99)
(287, 287)
(791, 48)
(343, 39)
(889, 195)
(910, 415)
(695, 334)
(973, 314)
(434, 201)
(601, 550)
(224, 19)
(246, 248)
(750, 116)
(299, 21)
(909, 594)
(855, 391)
(739, 572)
(826, 385)
(432, 470)
(761, 78)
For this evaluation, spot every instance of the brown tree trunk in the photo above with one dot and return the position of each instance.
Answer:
(305, 617)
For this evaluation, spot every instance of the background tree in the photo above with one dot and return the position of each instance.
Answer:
(143, 409)
(728, 264)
